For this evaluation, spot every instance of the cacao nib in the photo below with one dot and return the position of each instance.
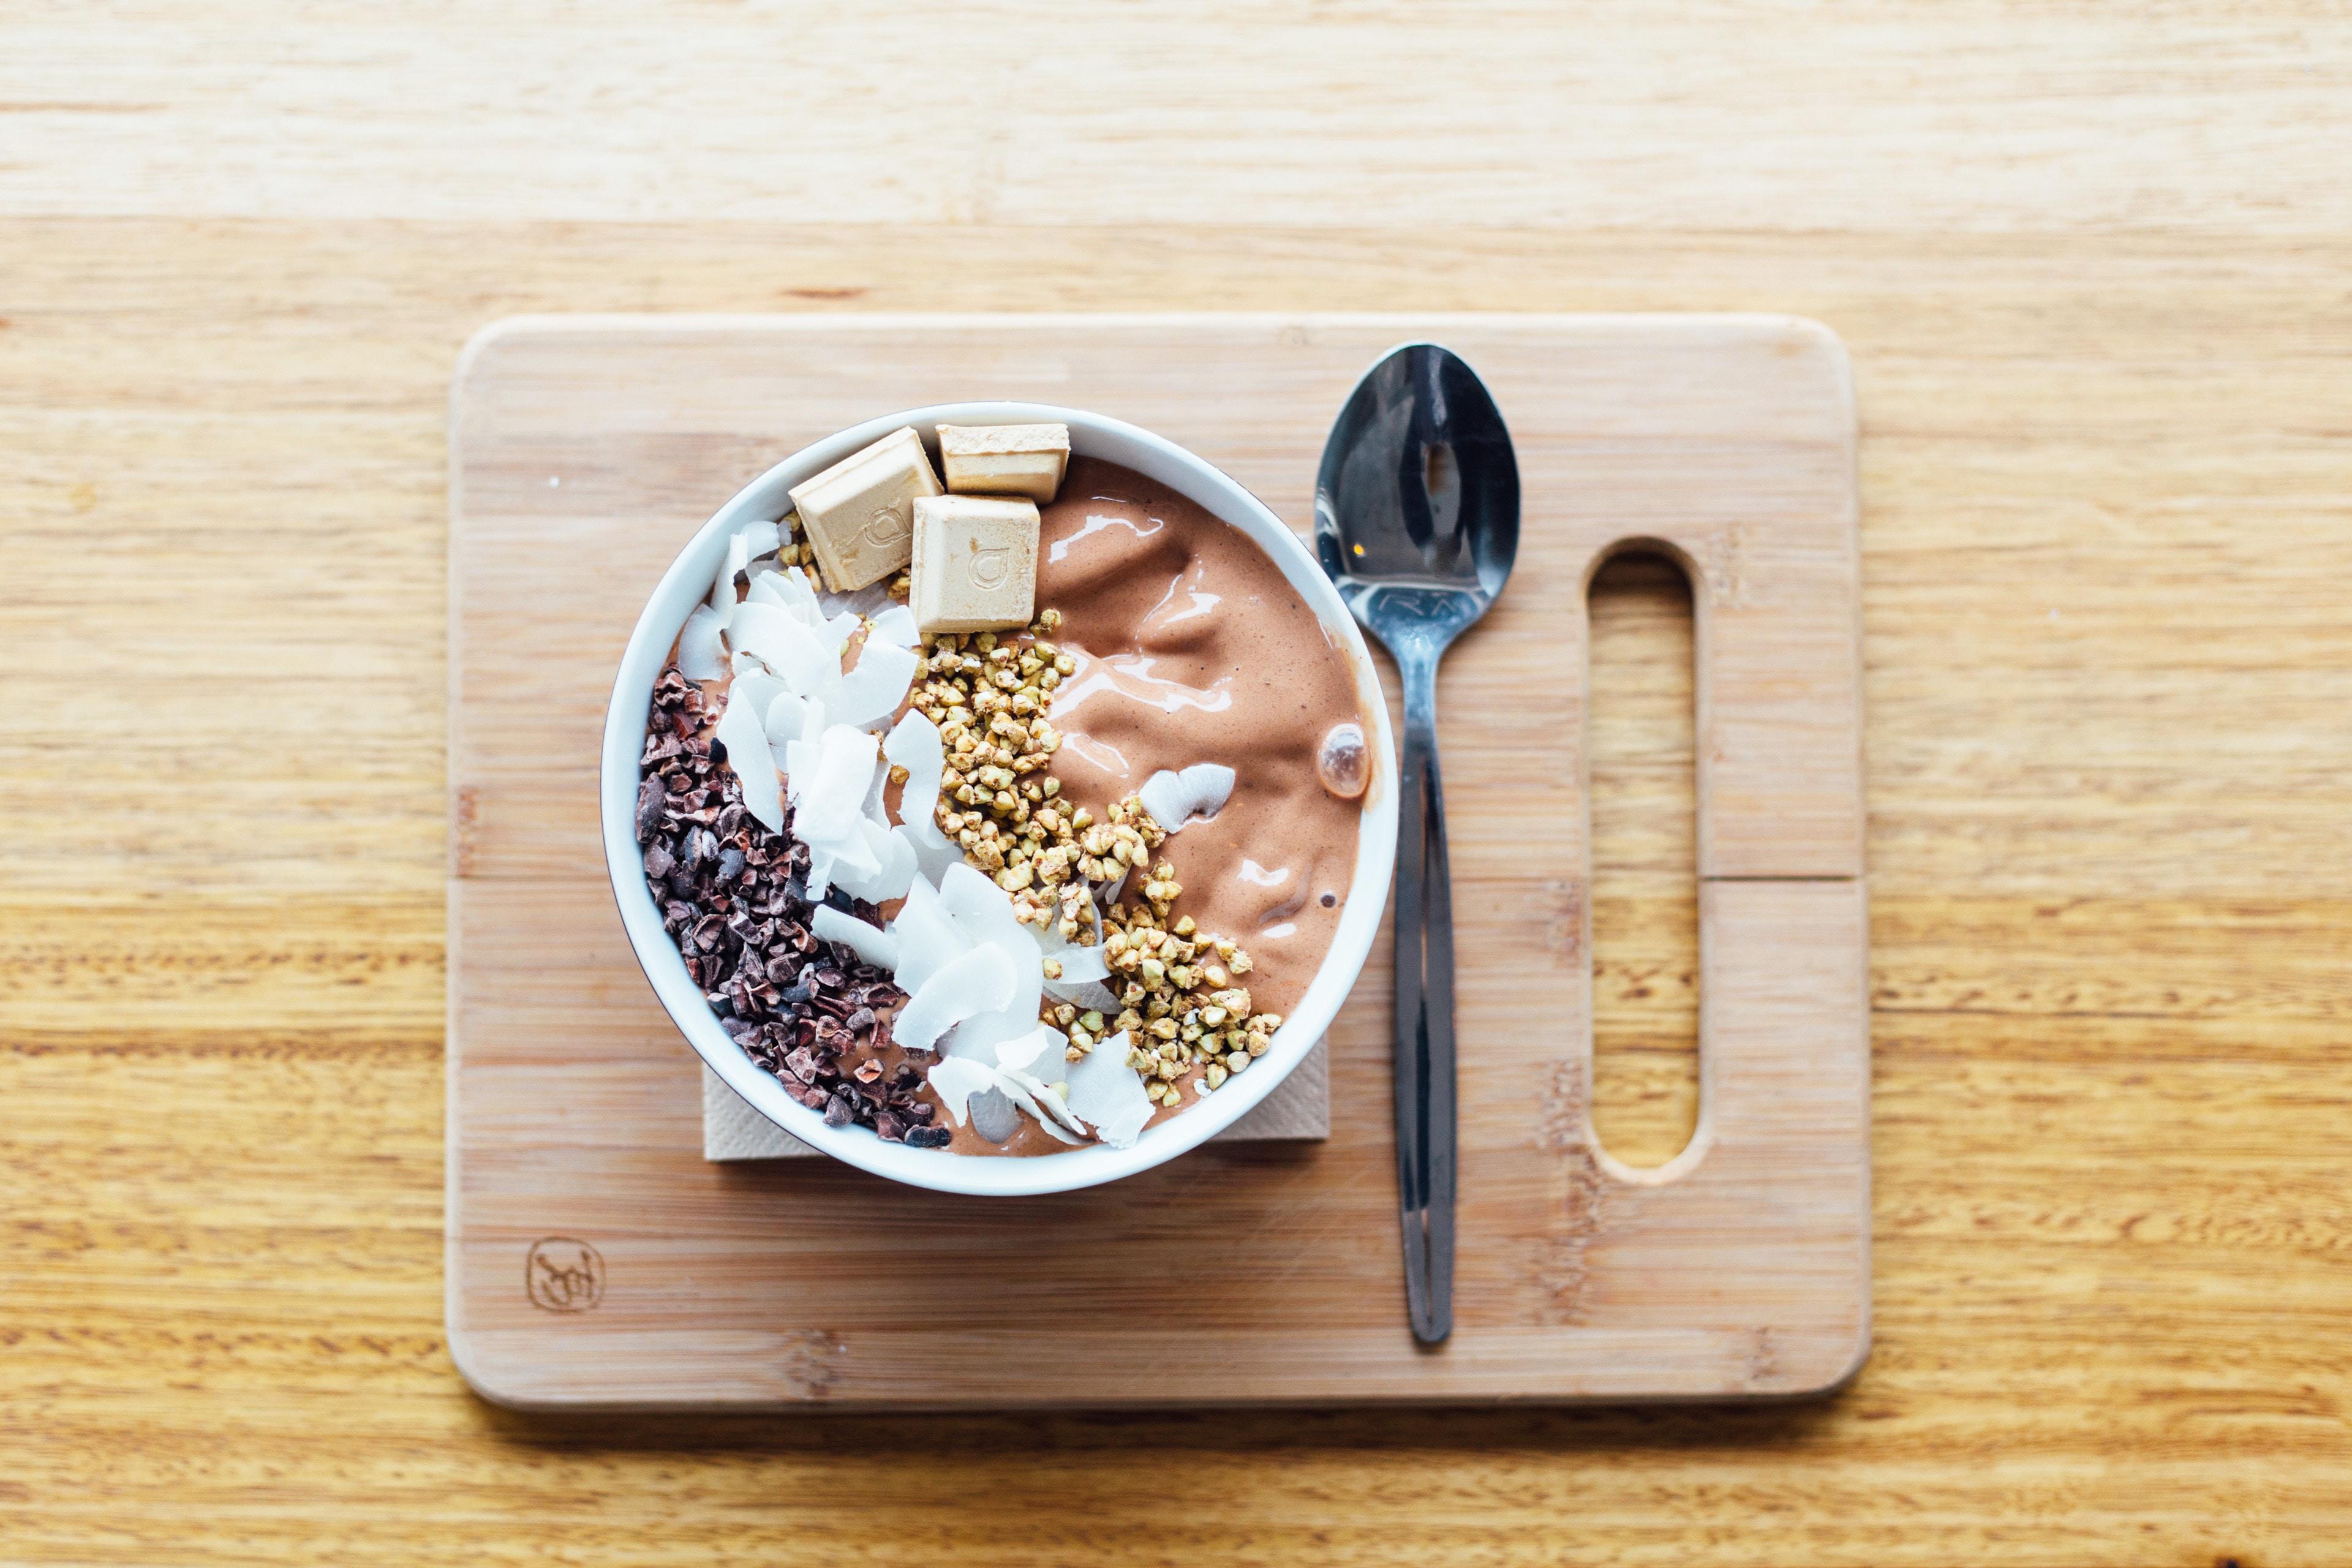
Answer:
(649, 809)
(734, 899)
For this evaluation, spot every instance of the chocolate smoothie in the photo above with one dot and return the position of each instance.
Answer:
(1193, 647)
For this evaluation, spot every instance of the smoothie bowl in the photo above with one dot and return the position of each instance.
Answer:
(998, 798)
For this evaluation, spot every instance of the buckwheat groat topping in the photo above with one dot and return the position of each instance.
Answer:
(1182, 1008)
(989, 696)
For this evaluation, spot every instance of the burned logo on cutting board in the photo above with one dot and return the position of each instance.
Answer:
(563, 1275)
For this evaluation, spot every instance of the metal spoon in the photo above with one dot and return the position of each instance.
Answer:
(1416, 519)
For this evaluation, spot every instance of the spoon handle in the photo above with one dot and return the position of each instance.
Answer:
(1424, 1013)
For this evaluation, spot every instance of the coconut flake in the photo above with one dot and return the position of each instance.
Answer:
(983, 911)
(896, 626)
(788, 591)
(1052, 1097)
(934, 855)
(871, 600)
(809, 661)
(1030, 1059)
(1211, 785)
(792, 717)
(915, 746)
(1081, 964)
(1027, 1093)
(842, 628)
(978, 982)
(761, 537)
(1107, 1095)
(722, 587)
(956, 1080)
(799, 763)
(1078, 963)
(873, 809)
(755, 689)
(1174, 798)
(739, 730)
(801, 597)
(855, 859)
(1027, 1050)
(928, 938)
(831, 798)
(1164, 796)
(967, 1088)
(894, 866)
(869, 943)
(1014, 1061)
(805, 656)
(1086, 993)
(993, 1115)
(901, 865)
(847, 760)
(979, 1036)
(873, 690)
(1084, 969)
(700, 655)
(843, 840)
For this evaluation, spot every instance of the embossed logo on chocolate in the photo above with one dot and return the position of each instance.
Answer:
(563, 1274)
(886, 528)
(989, 568)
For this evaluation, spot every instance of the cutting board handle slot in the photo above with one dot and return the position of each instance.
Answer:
(1641, 905)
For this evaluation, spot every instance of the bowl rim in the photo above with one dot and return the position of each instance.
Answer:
(685, 584)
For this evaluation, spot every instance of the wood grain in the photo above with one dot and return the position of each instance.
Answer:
(2100, 371)
(2040, 117)
(1741, 1272)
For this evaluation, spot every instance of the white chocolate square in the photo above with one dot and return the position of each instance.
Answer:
(1005, 459)
(859, 513)
(975, 563)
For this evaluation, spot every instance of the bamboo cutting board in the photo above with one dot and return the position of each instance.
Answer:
(595, 1259)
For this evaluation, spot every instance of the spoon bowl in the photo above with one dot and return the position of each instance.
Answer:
(1416, 523)
(1417, 504)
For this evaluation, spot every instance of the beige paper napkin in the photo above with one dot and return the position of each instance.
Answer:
(1299, 1110)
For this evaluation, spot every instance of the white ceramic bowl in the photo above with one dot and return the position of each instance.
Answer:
(688, 580)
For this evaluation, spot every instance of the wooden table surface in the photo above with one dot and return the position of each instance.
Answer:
(2091, 264)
